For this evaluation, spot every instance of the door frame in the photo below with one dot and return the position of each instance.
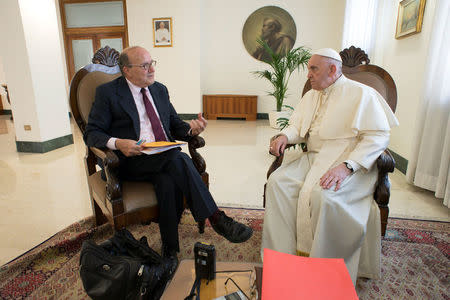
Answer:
(94, 33)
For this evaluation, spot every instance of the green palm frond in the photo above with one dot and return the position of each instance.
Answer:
(282, 66)
(288, 106)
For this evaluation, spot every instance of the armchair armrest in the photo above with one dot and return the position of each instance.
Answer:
(385, 164)
(278, 161)
(111, 168)
(194, 143)
(100, 153)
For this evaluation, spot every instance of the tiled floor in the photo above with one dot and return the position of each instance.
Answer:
(41, 194)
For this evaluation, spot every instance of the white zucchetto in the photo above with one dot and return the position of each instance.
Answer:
(328, 52)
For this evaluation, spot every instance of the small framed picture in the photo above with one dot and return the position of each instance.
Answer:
(162, 32)
(410, 17)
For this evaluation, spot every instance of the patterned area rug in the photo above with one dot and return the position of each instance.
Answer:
(415, 258)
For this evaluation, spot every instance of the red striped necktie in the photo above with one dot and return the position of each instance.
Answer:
(158, 131)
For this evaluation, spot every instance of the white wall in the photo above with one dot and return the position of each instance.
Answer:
(41, 29)
(17, 69)
(2, 73)
(33, 67)
(226, 65)
(178, 67)
(208, 55)
(406, 60)
(3, 98)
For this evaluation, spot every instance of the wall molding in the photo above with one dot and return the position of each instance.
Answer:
(188, 117)
(262, 116)
(5, 112)
(43, 147)
(401, 163)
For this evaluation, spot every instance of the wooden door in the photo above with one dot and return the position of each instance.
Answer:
(89, 25)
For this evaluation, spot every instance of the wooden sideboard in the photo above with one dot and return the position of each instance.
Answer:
(230, 106)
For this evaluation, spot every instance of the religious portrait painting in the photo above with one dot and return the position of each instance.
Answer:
(410, 17)
(273, 25)
(162, 32)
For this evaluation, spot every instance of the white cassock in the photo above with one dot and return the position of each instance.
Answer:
(347, 121)
(162, 36)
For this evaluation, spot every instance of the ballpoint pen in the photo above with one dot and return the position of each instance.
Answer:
(140, 142)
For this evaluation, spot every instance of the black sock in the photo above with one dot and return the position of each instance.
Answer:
(214, 218)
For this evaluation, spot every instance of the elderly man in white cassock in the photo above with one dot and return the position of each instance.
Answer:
(320, 204)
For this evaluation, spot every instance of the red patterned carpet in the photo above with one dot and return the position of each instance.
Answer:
(415, 258)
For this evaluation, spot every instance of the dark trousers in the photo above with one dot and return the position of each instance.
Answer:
(173, 175)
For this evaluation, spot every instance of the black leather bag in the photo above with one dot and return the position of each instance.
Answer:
(122, 268)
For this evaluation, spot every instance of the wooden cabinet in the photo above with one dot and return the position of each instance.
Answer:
(230, 106)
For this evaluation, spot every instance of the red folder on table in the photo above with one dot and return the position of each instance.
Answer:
(287, 276)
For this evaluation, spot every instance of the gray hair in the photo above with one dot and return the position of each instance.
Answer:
(124, 60)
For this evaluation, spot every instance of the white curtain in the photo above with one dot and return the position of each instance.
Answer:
(429, 166)
(360, 24)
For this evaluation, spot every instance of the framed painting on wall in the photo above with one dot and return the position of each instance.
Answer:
(162, 32)
(410, 17)
(273, 25)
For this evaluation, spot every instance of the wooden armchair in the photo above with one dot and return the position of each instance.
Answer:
(356, 66)
(120, 203)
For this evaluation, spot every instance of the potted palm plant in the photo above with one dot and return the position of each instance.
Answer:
(282, 65)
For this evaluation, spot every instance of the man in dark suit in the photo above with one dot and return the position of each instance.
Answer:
(136, 107)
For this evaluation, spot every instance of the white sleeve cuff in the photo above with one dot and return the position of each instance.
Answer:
(354, 164)
(111, 144)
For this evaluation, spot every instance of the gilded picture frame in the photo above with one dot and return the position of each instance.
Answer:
(409, 18)
(162, 32)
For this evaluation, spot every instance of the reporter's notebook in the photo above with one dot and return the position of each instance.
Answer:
(161, 146)
(287, 276)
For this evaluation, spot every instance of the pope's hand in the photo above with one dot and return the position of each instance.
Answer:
(334, 176)
(278, 145)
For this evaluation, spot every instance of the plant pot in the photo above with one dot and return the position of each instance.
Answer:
(274, 115)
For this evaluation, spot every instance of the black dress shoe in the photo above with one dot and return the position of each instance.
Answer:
(233, 231)
(159, 276)
(170, 260)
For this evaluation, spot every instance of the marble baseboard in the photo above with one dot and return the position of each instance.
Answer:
(401, 163)
(262, 116)
(5, 112)
(187, 117)
(43, 147)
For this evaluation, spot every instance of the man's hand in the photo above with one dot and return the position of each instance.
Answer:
(334, 176)
(129, 147)
(197, 126)
(278, 145)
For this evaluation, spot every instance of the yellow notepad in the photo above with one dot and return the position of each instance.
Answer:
(162, 144)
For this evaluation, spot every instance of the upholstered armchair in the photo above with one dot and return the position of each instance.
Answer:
(356, 66)
(119, 202)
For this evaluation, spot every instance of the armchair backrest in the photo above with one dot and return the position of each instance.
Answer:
(355, 66)
(85, 82)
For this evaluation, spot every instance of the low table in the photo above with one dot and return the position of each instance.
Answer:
(184, 277)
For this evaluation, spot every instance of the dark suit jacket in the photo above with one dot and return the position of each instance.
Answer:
(114, 114)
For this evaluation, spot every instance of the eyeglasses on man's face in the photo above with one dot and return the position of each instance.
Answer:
(144, 66)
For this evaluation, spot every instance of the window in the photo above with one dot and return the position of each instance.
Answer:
(360, 24)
